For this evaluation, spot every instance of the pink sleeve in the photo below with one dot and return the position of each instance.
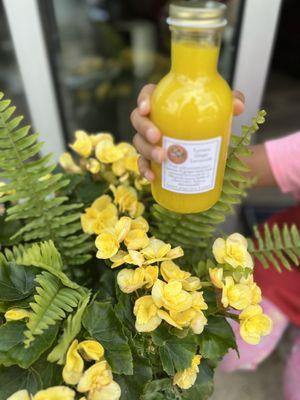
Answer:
(284, 159)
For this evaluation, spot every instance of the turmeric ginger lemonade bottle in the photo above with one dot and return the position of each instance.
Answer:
(192, 106)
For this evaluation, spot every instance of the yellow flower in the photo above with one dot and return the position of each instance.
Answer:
(185, 379)
(122, 228)
(165, 315)
(107, 244)
(99, 137)
(16, 314)
(140, 183)
(140, 223)
(131, 163)
(91, 350)
(118, 167)
(191, 284)
(171, 296)
(132, 257)
(233, 251)
(216, 276)
(254, 324)
(68, 164)
(151, 275)
(238, 295)
(255, 290)
(126, 148)
(20, 395)
(127, 201)
(95, 377)
(92, 165)
(107, 152)
(112, 391)
(83, 144)
(102, 214)
(106, 218)
(136, 239)
(157, 251)
(55, 393)
(170, 271)
(73, 368)
(198, 322)
(130, 280)
(145, 311)
(198, 302)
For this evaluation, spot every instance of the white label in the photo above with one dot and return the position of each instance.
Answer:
(191, 165)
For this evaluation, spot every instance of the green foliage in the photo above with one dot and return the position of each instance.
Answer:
(31, 191)
(71, 330)
(132, 387)
(175, 353)
(40, 255)
(12, 350)
(52, 302)
(15, 378)
(16, 281)
(101, 322)
(277, 247)
(192, 231)
(216, 339)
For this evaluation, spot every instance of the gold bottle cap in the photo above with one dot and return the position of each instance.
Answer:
(197, 14)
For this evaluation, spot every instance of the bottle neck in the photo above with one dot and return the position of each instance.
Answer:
(195, 53)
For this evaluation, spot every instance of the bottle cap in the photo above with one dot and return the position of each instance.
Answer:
(197, 14)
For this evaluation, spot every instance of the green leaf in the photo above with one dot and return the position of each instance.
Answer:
(103, 325)
(16, 281)
(12, 350)
(14, 378)
(175, 353)
(71, 330)
(50, 374)
(154, 389)
(203, 387)
(8, 229)
(132, 387)
(123, 309)
(216, 339)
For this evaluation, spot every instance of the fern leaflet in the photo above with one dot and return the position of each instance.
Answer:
(31, 191)
(52, 302)
(276, 247)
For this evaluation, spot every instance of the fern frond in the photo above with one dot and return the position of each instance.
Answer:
(190, 231)
(71, 330)
(40, 255)
(51, 304)
(31, 190)
(276, 247)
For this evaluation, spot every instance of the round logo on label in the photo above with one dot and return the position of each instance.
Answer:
(177, 154)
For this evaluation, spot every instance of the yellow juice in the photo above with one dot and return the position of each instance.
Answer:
(192, 107)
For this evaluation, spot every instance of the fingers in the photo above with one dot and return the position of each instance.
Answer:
(145, 169)
(147, 150)
(238, 102)
(144, 99)
(145, 127)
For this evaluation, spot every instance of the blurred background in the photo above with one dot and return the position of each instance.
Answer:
(79, 64)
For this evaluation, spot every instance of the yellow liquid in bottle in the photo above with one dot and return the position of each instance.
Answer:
(193, 103)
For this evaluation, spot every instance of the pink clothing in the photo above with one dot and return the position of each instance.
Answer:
(284, 159)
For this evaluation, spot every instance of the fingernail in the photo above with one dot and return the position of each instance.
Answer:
(153, 135)
(157, 155)
(149, 176)
(143, 106)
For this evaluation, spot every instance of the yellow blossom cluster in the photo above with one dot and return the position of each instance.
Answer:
(241, 293)
(100, 156)
(97, 381)
(185, 379)
(175, 299)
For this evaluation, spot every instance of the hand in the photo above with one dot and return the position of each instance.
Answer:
(148, 135)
